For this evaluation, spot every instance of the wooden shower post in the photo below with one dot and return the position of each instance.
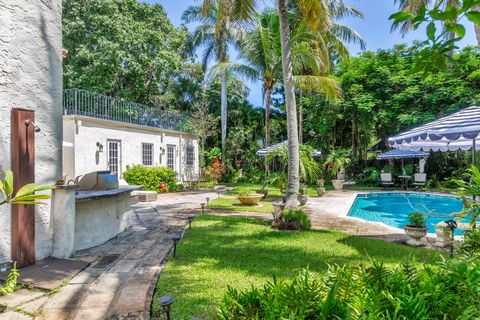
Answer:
(23, 167)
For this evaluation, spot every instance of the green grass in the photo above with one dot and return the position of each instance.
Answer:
(232, 204)
(236, 251)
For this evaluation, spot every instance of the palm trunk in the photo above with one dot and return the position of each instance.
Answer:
(223, 113)
(300, 119)
(291, 109)
(477, 28)
(268, 94)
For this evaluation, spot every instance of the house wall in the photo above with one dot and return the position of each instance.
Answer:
(81, 135)
(31, 77)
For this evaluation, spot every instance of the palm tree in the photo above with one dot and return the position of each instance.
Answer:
(331, 45)
(315, 14)
(214, 34)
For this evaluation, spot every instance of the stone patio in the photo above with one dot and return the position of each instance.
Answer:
(119, 282)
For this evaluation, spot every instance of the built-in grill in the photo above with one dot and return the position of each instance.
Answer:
(98, 180)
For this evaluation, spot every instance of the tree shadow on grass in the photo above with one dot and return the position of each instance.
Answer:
(240, 251)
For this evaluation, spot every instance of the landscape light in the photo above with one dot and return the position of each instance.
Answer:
(190, 219)
(175, 241)
(203, 207)
(166, 302)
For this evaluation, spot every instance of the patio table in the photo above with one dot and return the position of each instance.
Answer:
(404, 181)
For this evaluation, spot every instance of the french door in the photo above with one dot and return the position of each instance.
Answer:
(114, 157)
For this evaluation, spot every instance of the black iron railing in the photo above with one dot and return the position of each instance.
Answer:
(94, 105)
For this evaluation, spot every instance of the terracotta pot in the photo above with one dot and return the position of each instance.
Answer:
(250, 200)
(338, 184)
(415, 232)
(320, 191)
(302, 198)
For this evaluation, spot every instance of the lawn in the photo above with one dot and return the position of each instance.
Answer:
(232, 204)
(240, 252)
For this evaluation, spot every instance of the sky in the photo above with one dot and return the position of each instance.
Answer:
(374, 28)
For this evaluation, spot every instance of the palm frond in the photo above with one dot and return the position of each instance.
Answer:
(327, 85)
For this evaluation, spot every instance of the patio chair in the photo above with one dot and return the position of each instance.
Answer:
(419, 179)
(386, 179)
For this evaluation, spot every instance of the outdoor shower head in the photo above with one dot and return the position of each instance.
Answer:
(35, 127)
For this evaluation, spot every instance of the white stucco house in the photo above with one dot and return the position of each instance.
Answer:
(47, 132)
(104, 133)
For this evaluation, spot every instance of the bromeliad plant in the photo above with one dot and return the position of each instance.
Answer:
(25, 195)
(471, 207)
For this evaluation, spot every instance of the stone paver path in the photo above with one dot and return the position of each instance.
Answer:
(120, 281)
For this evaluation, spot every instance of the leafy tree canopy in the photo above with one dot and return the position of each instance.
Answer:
(382, 96)
(122, 48)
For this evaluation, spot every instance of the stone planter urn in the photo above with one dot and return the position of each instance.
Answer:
(320, 191)
(338, 184)
(250, 200)
(278, 207)
(416, 233)
(303, 199)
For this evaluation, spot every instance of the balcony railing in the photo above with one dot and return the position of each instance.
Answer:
(94, 105)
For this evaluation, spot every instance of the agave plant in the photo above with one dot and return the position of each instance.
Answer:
(26, 194)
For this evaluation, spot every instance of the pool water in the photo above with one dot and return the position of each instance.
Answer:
(393, 208)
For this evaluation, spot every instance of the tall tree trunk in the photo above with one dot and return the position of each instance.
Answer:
(223, 113)
(300, 118)
(477, 28)
(291, 109)
(268, 97)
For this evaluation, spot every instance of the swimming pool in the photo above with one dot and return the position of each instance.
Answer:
(393, 208)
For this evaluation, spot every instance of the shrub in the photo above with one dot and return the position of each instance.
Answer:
(292, 220)
(214, 171)
(150, 177)
(374, 291)
(471, 243)
(417, 219)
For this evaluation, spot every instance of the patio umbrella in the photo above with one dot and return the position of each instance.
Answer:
(264, 151)
(402, 154)
(458, 131)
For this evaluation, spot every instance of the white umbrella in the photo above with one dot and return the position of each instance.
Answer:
(458, 131)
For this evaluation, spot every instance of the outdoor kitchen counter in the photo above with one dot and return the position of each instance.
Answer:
(101, 194)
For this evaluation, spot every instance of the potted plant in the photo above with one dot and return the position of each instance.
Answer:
(416, 228)
(335, 164)
(303, 196)
(249, 198)
(321, 187)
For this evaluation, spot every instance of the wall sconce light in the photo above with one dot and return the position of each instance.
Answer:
(162, 150)
(99, 147)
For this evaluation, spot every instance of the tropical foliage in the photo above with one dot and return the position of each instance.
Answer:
(151, 177)
(122, 48)
(25, 195)
(368, 291)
